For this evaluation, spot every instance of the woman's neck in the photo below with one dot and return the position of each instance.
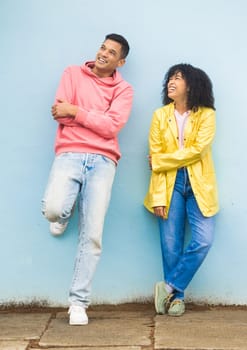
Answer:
(181, 107)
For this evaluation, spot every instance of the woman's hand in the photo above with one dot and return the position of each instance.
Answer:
(160, 211)
(150, 161)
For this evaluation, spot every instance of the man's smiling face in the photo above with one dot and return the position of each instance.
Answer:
(108, 58)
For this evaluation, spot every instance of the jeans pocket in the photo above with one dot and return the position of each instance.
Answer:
(108, 160)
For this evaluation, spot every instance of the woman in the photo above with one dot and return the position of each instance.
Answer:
(183, 184)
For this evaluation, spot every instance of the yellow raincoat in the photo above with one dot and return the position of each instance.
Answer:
(196, 155)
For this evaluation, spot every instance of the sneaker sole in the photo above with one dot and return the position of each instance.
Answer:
(78, 323)
(175, 315)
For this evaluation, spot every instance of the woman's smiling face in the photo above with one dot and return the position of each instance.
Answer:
(177, 87)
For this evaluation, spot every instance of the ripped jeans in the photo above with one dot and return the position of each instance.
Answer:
(88, 177)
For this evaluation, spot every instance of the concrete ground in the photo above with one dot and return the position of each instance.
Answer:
(125, 327)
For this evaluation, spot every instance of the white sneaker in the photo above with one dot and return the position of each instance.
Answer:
(57, 229)
(77, 315)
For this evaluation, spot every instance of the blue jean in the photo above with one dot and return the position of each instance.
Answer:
(180, 263)
(88, 177)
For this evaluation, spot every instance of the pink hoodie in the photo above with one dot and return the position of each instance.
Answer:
(104, 108)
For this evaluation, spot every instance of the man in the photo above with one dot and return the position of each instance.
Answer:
(92, 104)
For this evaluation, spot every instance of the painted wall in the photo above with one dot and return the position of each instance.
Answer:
(38, 39)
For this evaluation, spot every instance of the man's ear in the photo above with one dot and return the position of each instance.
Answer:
(121, 62)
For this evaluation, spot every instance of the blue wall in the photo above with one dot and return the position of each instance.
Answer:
(38, 40)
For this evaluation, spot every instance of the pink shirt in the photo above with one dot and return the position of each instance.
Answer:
(104, 108)
(181, 121)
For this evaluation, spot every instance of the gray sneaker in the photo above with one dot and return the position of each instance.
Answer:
(161, 297)
(177, 308)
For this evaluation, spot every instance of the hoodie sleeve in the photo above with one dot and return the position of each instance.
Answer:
(108, 124)
(65, 92)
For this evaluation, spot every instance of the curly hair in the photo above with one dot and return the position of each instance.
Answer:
(200, 88)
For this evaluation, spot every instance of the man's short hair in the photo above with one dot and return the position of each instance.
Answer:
(122, 41)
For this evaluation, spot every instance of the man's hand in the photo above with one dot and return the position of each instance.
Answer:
(63, 109)
(160, 212)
